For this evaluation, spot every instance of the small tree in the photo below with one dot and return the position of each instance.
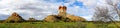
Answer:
(101, 14)
(114, 5)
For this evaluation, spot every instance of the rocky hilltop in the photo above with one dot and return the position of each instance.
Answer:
(63, 16)
(14, 18)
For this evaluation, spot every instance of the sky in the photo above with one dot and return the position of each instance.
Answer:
(39, 9)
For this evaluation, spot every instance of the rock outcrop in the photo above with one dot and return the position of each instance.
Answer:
(51, 18)
(32, 19)
(14, 18)
(75, 18)
(63, 16)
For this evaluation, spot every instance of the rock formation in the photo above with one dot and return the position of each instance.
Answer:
(63, 16)
(75, 18)
(51, 18)
(14, 18)
(32, 19)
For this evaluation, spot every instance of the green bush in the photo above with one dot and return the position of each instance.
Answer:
(111, 26)
(91, 25)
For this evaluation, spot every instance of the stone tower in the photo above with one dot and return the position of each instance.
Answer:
(62, 11)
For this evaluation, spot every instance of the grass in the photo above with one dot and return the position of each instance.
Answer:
(56, 25)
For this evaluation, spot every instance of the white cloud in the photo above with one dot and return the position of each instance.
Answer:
(88, 18)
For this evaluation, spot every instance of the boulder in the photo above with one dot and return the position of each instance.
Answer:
(50, 18)
(75, 18)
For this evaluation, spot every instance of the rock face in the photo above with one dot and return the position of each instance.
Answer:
(75, 18)
(62, 11)
(51, 18)
(63, 16)
(14, 18)
(68, 18)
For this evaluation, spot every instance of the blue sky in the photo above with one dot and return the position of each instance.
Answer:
(39, 9)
